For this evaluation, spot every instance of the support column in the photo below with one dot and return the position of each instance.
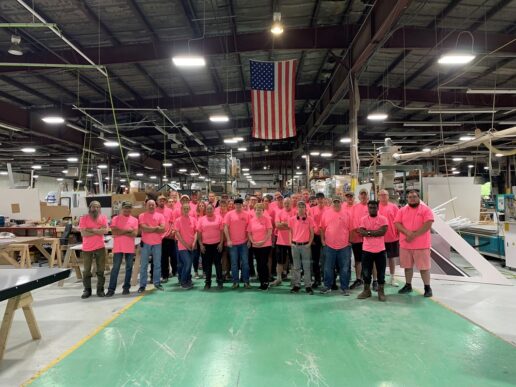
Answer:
(354, 105)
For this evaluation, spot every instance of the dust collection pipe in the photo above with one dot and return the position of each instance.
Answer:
(478, 140)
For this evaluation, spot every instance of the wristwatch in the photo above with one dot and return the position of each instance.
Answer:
(369, 233)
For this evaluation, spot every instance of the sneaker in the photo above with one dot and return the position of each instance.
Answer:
(235, 286)
(309, 291)
(126, 292)
(393, 282)
(158, 287)
(405, 289)
(375, 286)
(110, 293)
(187, 286)
(264, 287)
(428, 291)
(316, 284)
(325, 290)
(207, 287)
(86, 293)
(356, 284)
(196, 276)
(334, 287)
(247, 285)
(295, 289)
(345, 292)
(164, 280)
(100, 293)
(141, 289)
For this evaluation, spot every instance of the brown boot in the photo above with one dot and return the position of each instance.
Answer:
(366, 293)
(381, 293)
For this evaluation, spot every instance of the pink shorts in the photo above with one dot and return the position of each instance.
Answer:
(421, 257)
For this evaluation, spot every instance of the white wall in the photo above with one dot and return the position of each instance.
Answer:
(43, 183)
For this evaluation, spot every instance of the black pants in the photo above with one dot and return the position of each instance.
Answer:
(370, 259)
(251, 256)
(212, 256)
(168, 257)
(316, 258)
(262, 258)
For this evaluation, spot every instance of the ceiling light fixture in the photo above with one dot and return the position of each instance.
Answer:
(376, 116)
(299, 173)
(182, 170)
(246, 173)
(230, 141)
(219, 118)
(303, 157)
(89, 175)
(470, 166)
(326, 154)
(245, 169)
(65, 171)
(314, 153)
(426, 149)
(53, 120)
(4, 173)
(456, 58)
(461, 111)
(277, 27)
(189, 61)
(410, 124)
(242, 149)
(111, 143)
(139, 174)
(166, 164)
(499, 155)
(455, 172)
(267, 149)
(102, 166)
(36, 167)
(491, 91)
(133, 154)
(28, 150)
(194, 174)
(96, 183)
(457, 159)
(465, 138)
(153, 177)
(59, 179)
(345, 140)
(15, 48)
(72, 159)
(486, 168)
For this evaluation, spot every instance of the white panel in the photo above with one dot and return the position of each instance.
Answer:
(26, 199)
(467, 204)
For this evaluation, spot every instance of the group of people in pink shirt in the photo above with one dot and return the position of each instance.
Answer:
(314, 237)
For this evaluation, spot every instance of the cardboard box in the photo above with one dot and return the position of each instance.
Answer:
(53, 212)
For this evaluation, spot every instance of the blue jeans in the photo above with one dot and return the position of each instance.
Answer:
(239, 253)
(117, 262)
(185, 273)
(147, 251)
(343, 257)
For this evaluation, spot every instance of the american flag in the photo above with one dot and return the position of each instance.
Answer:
(273, 98)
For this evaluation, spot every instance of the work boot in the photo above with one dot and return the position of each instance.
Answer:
(381, 293)
(86, 293)
(356, 284)
(428, 291)
(100, 292)
(375, 286)
(405, 289)
(110, 293)
(366, 293)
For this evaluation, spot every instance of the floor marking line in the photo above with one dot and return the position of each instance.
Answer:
(77, 345)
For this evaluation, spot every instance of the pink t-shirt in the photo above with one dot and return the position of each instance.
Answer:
(124, 243)
(237, 226)
(317, 213)
(336, 226)
(300, 228)
(152, 220)
(284, 216)
(193, 206)
(210, 228)
(169, 219)
(94, 242)
(390, 210)
(258, 227)
(373, 244)
(187, 227)
(359, 211)
(412, 219)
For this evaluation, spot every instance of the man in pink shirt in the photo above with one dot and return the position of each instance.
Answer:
(93, 227)
(301, 227)
(259, 231)
(124, 228)
(373, 227)
(392, 246)
(194, 202)
(186, 234)
(283, 243)
(210, 233)
(317, 213)
(359, 211)
(335, 228)
(414, 222)
(305, 196)
(235, 230)
(152, 226)
(168, 245)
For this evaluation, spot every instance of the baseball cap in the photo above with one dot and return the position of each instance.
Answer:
(162, 197)
(185, 197)
(349, 193)
(336, 199)
(127, 204)
(319, 195)
(239, 201)
(362, 190)
(301, 203)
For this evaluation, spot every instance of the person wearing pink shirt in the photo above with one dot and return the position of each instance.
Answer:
(359, 211)
(221, 211)
(392, 246)
(283, 242)
(168, 245)
(305, 196)
(93, 227)
(373, 227)
(259, 231)
(235, 231)
(317, 213)
(350, 202)
(186, 234)
(200, 211)
(124, 228)
(152, 226)
(301, 234)
(194, 201)
(210, 234)
(414, 222)
(335, 229)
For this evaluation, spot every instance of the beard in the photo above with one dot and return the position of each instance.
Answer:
(94, 214)
(413, 205)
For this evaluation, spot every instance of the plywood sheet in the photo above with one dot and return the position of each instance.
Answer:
(20, 204)
(467, 204)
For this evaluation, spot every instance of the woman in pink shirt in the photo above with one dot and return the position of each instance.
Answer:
(200, 211)
(221, 211)
(210, 233)
(283, 242)
(186, 227)
(259, 231)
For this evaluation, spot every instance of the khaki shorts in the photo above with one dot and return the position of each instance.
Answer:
(419, 257)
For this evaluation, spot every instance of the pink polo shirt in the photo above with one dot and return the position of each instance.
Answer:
(390, 210)
(124, 243)
(168, 214)
(237, 226)
(258, 227)
(317, 213)
(187, 227)
(336, 226)
(152, 220)
(210, 228)
(359, 211)
(193, 206)
(93, 242)
(412, 219)
(284, 216)
(300, 228)
(373, 244)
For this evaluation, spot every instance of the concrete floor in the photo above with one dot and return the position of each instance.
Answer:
(64, 319)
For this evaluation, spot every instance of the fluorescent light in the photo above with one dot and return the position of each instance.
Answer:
(314, 153)
(96, 183)
(53, 120)
(253, 182)
(461, 111)
(165, 179)
(409, 124)
(79, 181)
(102, 166)
(139, 174)
(298, 167)
(456, 58)
(491, 91)
(266, 149)
(59, 179)
(111, 143)
(4, 173)
(213, 181)
(326, 154)
(238, 138)
(182, 170)
(189, 61)
(167, 164)
(65, 171)
(28, 150)
(457, 159)
(242, 149)
(219, 118)
(486, 168)
(454, 169)
(303, 157)
(498, 155)
(426, 149)
(246, 174)
(230, 141)
(153, 177)
(245, 169)
(133, 154)
(377, 116)
(465, 138)
(202, 177)
(35, 176)
(456, 172)
(107, 178)
(299, 173)
(470, 166)
(36, 167)
(122, 180)
(89, 175)
(264, 167)
(345, 140)
(194, 174)
(72, 159)
(122, 185)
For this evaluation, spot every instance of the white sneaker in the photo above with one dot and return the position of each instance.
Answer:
(393, 282)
